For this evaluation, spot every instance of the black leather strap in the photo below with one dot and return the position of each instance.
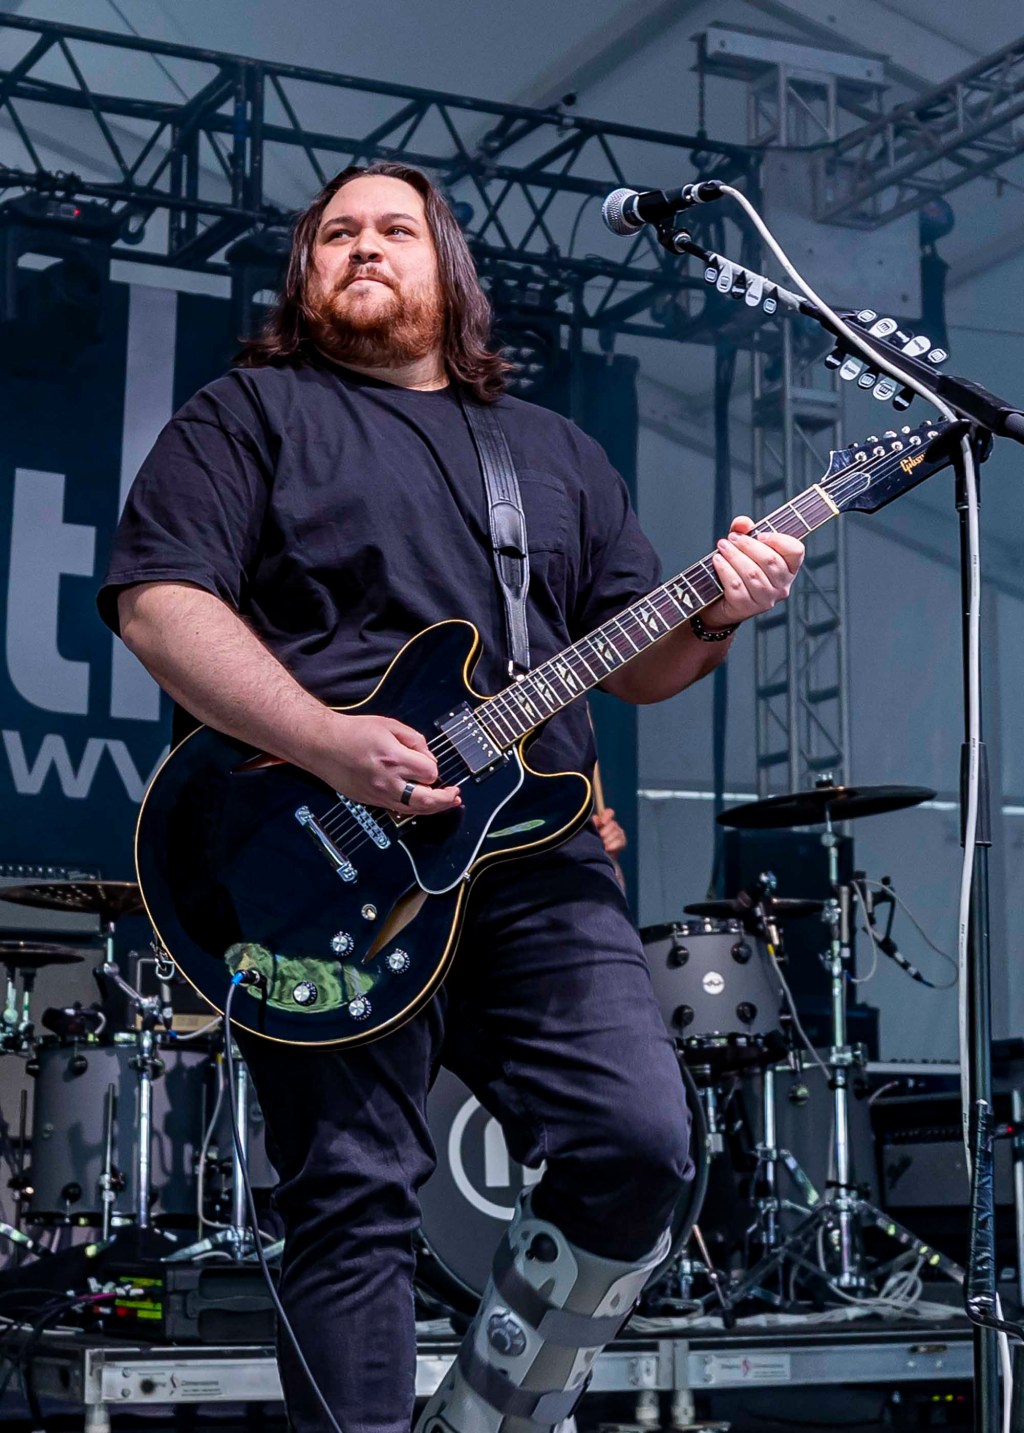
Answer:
(507, 523)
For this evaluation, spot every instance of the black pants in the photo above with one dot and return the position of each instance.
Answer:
(550, 1020)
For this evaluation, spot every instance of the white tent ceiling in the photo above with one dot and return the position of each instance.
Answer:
(627, 61)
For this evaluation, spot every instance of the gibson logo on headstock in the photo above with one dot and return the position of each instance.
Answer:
(909, 464)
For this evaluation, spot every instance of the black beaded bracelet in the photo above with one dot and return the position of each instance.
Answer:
(722, 634)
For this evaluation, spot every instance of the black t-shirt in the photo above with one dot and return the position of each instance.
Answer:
(341, 515)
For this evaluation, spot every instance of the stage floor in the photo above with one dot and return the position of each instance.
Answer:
(98, 1376)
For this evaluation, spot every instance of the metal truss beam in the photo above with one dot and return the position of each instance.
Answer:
(211, 157)
(927, 147)
(800, 648)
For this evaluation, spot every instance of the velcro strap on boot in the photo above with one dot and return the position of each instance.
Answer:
(497, 1390)
(560, 1326)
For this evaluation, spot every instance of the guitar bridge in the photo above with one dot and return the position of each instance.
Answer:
(373, 828)
(341, 863)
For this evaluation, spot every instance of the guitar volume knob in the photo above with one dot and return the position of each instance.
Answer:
(342, 943)
(398, 962)
(306, 993)
(359, 1008)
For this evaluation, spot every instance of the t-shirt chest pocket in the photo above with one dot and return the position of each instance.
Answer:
(548, 511)
(551, 539)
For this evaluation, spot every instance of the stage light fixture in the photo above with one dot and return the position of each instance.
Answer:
(527, 326)
(49, 314)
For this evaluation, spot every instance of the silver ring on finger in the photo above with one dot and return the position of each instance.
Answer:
(407, 791)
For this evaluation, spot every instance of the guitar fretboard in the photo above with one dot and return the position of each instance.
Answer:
(531, 699)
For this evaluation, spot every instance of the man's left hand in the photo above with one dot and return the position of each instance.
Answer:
(754, 572)
(611, 833)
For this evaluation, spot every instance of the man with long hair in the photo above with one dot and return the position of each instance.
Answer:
(295, 524)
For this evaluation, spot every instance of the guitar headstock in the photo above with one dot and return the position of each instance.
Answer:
(866, 476)
(897, 343)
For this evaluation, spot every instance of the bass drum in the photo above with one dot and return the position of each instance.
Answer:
(470, 1198)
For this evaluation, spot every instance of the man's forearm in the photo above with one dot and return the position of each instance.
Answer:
(208, 660)
(675, 662)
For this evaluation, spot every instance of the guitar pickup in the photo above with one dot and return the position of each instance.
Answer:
(469, 739)
(341, 863)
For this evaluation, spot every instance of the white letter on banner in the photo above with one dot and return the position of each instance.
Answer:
(148, 403)
(53, 752)
(43, 548)
(133, 782)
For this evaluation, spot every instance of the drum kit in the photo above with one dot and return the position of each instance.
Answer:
(721, 985)
(129, 1126)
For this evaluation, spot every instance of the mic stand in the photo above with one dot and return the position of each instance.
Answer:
(979, 994)
(990, 415)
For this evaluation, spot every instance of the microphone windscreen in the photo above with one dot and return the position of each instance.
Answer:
(613, 212)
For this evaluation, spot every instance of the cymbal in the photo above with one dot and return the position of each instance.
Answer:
(107, 899)
(810, 808)
(783, 907)
(34, 954)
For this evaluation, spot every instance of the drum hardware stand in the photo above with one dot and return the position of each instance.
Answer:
(16, 1021)
(237, 1237)
(148, 1067)
(768, 1202)
(842, 1212)
(18, 1184)
(112, 1180)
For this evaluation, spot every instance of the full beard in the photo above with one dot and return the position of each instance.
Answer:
(406, 328)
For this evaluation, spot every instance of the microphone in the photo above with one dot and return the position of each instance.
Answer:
(626, 211)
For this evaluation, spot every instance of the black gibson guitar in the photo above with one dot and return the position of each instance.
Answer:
(351, 914)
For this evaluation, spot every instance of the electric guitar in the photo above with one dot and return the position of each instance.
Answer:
(349, 914)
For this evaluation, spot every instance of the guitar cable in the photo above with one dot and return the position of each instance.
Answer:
(253, 977)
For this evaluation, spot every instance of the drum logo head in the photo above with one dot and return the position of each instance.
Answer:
(713, 983)
(480, 1161)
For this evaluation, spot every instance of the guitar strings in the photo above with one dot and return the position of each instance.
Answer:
(502, 703)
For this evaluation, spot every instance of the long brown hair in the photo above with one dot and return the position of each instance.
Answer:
(468, 357)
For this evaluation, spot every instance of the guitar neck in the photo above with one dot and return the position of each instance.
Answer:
(513, 712)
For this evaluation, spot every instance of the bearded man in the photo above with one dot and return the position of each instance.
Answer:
(296, 523)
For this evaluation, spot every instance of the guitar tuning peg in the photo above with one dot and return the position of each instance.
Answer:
(905, 428)
(889, 433)
(868, 441)
(917, 346)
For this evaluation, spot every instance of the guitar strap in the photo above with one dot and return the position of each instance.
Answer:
(507, 525)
